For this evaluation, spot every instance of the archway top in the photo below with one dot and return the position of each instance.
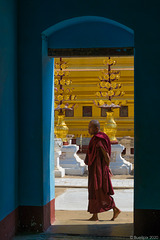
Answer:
(84, 19)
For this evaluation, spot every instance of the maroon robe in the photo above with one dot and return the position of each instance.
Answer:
(99, 182)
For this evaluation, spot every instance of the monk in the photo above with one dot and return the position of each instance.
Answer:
(99, 183)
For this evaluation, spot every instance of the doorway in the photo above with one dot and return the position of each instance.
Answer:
(81, 39)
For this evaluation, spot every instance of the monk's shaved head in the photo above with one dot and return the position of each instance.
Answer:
(93, 127)
(95, 123)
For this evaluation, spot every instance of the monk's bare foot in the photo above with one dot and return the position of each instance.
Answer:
(94, 218)
(116, 212)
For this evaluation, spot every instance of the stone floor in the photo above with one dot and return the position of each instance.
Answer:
(82, 182)
(75, 199)
(72, 216)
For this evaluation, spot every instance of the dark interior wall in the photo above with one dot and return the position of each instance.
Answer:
(8, 108)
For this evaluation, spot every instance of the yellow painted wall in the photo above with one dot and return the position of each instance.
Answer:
(84, 73)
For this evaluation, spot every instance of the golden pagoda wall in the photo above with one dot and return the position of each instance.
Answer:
(84, 73)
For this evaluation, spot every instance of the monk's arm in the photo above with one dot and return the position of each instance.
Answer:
(106, 156)
(86, 160)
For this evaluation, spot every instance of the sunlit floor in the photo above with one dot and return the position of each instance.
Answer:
(77, 199)
(72, 216)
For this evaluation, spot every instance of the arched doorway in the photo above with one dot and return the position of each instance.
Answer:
(82, 36)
